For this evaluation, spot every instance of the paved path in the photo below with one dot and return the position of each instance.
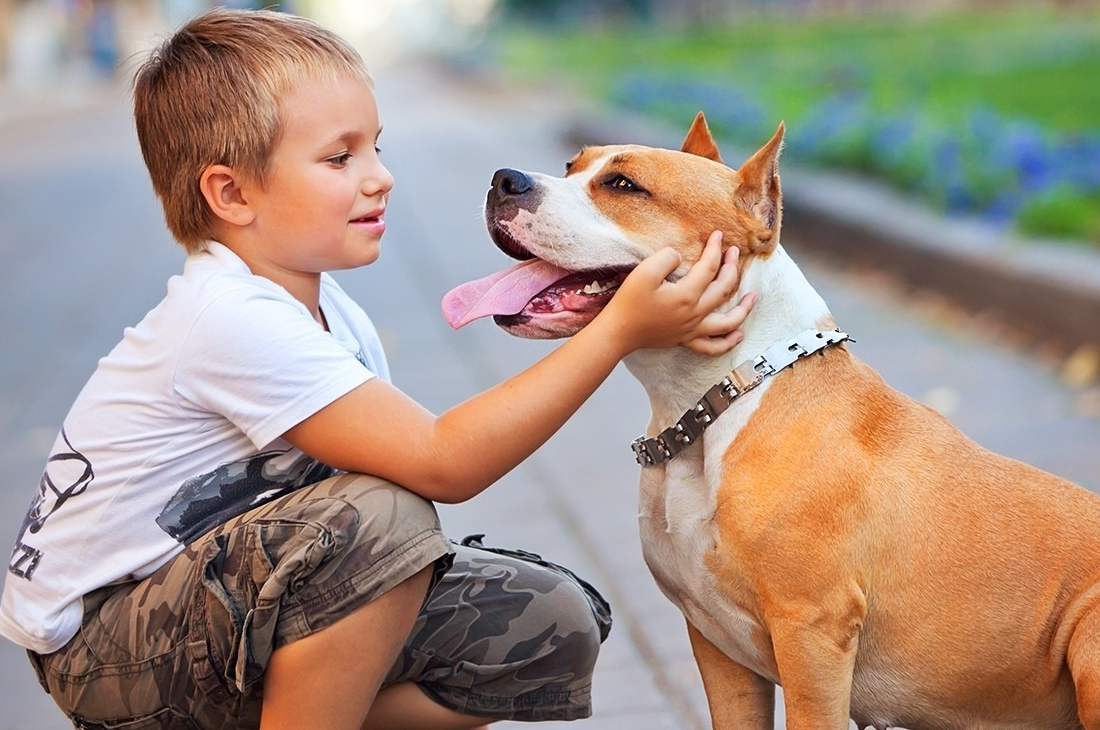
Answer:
(84, 254)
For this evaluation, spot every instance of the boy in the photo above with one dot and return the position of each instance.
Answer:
(204, 550)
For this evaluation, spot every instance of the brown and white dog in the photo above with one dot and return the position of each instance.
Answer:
(826, 532)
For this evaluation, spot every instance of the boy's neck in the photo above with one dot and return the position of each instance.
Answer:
(303, 286)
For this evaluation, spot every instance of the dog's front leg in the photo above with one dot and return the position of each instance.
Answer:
(815, 651)
(737, 697)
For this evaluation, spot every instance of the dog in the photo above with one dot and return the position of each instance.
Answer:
(818, 529)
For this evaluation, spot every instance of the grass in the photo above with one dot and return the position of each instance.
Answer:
(993, 114)
(1036, 65)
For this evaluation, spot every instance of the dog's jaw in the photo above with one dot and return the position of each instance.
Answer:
(531, 215)
(675, 379)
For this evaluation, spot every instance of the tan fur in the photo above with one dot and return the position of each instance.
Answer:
(829, 533)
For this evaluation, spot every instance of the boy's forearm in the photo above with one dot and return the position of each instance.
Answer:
(377, 429)
(505, 424)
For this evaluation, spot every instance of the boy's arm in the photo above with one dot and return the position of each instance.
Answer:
(376, 429)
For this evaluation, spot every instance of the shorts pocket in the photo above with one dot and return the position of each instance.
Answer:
(247, 574)
(166, 719)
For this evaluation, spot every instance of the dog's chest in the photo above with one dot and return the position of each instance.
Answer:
(676, 522)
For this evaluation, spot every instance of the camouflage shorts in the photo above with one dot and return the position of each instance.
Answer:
(504, 636)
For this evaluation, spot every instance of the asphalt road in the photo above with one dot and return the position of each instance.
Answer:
(84, 253)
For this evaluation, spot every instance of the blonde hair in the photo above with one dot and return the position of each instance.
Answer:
(210, 95)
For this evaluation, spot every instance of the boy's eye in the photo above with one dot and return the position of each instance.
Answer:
(339, 160)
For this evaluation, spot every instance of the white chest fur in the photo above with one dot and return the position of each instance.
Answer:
(676, 522)
(678, 500)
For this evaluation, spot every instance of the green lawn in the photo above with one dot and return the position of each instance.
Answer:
(1038, 65)
(995, 115)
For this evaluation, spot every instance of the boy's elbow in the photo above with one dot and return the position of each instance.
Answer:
(451, 498)
(450, 490)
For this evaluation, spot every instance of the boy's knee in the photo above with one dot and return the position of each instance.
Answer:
(576, 642)
(540, 607)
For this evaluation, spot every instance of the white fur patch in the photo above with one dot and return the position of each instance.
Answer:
(567, 229)
(678, 503)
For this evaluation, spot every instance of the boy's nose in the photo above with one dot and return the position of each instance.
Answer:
(381, 181)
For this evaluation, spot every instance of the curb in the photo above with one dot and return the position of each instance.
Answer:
(1047, 291)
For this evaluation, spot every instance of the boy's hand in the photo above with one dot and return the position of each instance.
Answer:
(652, 312)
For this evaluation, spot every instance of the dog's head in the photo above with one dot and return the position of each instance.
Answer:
(578, 236)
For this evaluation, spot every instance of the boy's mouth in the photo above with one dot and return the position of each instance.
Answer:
(373, 216)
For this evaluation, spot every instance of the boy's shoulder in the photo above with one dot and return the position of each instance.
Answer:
(215, 293)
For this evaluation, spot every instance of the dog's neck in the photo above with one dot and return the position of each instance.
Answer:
(675, 379)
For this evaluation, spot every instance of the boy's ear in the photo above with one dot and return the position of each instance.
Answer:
(699, 140)
(758, 190)
(221, 186)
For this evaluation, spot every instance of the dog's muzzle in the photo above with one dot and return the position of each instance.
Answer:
(511, 192)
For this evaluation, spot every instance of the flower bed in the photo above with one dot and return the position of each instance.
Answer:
(1011, 172)
(993, 114)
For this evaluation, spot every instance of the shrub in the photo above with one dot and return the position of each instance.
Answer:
(1062, 212)
(1009, 171)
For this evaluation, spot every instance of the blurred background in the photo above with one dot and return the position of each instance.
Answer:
(984, 108)
(988, 108)
(958, 141)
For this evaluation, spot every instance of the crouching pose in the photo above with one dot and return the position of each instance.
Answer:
(204, 549)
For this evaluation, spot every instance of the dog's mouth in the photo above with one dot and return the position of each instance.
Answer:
(534, 298)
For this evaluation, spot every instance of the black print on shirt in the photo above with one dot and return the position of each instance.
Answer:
(208, 500)
(67, 474)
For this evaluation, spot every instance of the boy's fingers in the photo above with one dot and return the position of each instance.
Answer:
(715, 345)
(704, 270)
(721, 324)
(741, 310)
(659, 266)
(725, 284)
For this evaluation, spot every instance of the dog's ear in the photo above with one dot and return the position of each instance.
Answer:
(699, 140)
(759, 191)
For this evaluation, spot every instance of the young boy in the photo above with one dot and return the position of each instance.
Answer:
(204, 550)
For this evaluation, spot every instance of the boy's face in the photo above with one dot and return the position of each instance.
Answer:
(321, 207)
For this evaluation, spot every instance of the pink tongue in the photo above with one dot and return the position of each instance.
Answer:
(506, 292)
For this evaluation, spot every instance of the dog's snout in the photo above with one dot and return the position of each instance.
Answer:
(511, 192)
(507, 182)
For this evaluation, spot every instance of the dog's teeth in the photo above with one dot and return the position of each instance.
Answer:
(593, 288)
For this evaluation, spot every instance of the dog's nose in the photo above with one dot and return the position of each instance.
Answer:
(508, 182)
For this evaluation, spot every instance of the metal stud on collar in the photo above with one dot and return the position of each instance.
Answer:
(718, 398)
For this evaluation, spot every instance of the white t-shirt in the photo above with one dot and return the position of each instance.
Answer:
(178, 430)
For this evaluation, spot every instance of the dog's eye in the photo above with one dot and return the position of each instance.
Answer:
(623, 183)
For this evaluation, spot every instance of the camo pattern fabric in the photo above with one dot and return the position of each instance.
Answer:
(186, 648)
(507, 635)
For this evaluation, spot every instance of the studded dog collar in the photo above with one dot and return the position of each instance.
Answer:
(743, 378)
